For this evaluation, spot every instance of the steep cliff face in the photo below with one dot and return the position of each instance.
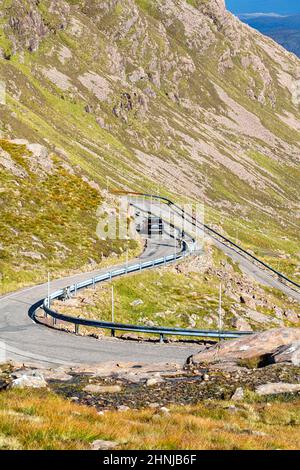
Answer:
(170, 95)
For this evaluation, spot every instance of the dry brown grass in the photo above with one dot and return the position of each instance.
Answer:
(41, 420)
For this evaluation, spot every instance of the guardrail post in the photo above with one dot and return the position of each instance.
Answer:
(161, 338)
(113, 333)
(76, 329)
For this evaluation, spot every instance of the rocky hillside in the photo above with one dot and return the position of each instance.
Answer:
(170, 95)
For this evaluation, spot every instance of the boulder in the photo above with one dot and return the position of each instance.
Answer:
(289, 353)
(255, 346)
(276, 388)
(248, 300)
(99, 444)
(93, 388)
(136, 303)
(29, 381)
(262, 318)
(3, 384)
(58, 374)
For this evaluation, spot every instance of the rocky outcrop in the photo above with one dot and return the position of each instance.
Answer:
(258, 347)
(277, 388)
(99, 444)
(177, 94)
(8, 163)
(32, 379)
(288, 354)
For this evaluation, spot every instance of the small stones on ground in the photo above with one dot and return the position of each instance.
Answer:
(58, 374)
(99, 444)
(288, 354)
(3, 384)
(238, 394)
(206, 377)
(136, 303)
(74, 399)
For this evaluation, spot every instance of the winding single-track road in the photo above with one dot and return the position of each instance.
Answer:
(23, 340)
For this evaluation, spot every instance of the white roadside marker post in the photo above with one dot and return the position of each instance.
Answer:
(175, 243)
(112, 309)
(48, 294)
(48, 290)
(220, 312)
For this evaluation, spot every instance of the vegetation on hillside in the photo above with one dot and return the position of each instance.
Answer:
(187, 296)
(38, 419)
(48, 220)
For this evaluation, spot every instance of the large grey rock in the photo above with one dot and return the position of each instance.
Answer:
(276, 388)
(153, 381)
(255, 346)
(29, 381)
(289, 353)
(9, 164)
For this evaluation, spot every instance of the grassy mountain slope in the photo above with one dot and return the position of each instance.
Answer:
(171, 96)
(48, 219)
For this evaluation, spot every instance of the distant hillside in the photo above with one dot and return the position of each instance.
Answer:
(178, 97)
(283, 29)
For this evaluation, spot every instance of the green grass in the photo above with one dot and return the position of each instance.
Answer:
(40, 420)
